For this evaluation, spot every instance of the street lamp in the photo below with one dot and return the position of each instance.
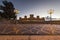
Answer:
(51, 12)
(16, 11)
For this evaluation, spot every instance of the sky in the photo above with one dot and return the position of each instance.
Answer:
(36, 7)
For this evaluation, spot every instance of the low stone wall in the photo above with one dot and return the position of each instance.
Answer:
(28, 29)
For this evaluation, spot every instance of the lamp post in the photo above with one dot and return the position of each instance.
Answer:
(51, 12)
(16, 12)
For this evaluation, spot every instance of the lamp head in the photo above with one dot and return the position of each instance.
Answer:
(51, 11)
(16, 11)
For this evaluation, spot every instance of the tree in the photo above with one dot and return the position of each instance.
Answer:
(8, 10)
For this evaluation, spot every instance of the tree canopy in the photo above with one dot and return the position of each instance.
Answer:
(8, 10)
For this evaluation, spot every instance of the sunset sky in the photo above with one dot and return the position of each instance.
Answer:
(37, 7)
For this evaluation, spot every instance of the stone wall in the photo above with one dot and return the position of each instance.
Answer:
(29, 29)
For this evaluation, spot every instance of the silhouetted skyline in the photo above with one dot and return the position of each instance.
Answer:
(36, 7)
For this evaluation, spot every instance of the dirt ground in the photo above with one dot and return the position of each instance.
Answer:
(29, 37)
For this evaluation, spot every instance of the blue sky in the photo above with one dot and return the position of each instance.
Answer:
(37, 7)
